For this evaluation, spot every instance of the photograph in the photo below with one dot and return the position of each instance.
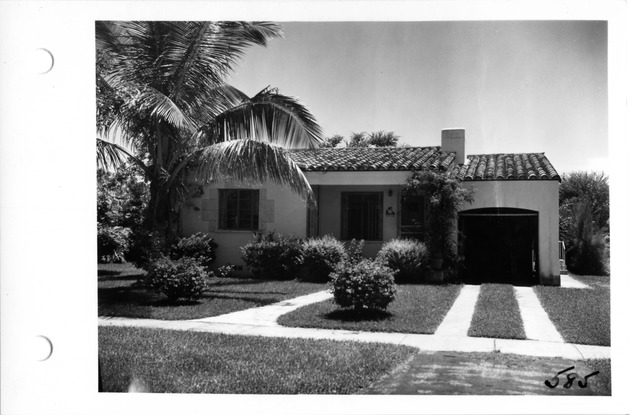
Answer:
(366, 207)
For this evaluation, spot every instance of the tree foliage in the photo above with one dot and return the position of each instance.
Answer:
(331, 142)
(164, 105)
(584, 187)
(122, 199)
(584, 221)
(445, 197)
(383, 139)
(363, 139)
(586, 244)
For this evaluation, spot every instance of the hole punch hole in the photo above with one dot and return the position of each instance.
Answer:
(42, 348)
(43, 61)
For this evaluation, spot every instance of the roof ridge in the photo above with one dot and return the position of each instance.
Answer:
(360, 148)
(494, 166)
(505, 153)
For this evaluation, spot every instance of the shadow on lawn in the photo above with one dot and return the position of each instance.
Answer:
(134, 296)
(253, 292)
(354, 315)
(102, 272)
(111, 277)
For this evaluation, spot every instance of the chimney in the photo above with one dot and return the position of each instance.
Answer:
(454, 140)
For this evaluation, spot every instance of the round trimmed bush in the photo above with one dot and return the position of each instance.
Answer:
(406, 256)
(269, 258)
(367, 285)
(199, 246)
(182, 278)
(320, 256)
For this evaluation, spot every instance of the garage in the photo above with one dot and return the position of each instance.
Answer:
(499, 245)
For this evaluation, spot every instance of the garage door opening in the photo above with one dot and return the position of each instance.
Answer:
(499, 245)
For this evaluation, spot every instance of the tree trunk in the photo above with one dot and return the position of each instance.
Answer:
(158, 211)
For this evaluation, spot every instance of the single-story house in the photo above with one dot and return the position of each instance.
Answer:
(508, 234)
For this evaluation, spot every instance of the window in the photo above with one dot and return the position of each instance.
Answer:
(412, 217)
(238, 209)
(362, 216)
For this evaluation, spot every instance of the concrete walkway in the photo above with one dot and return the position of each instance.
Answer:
(536, 322)
(567, 281)
(262, 321)
(457, 320)
(268, 315)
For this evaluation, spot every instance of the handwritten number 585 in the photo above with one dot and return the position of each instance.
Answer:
(571, 377)
(555, 379)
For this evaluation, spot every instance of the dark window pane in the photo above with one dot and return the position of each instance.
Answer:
(238, 209)
(362, 216)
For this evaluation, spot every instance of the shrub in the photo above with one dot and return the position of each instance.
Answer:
(406, 256)
(584, 187)
(199, 246)
(182, 278)
(272, 259)
(321, 256)
(145, 248)
(113, 243)
(354, 251)
(367, 285)
(586, 245)
(226, 271)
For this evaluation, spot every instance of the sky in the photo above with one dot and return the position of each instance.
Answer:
(514, 86)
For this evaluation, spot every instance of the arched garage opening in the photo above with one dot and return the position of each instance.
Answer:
(499, 245)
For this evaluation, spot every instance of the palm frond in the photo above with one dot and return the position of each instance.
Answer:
(199, 55)
(106, 35)
(163, 108)
(110, 155)
(223, 97)
(253, 162)
(270, 116)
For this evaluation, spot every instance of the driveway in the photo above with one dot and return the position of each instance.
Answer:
(448, 373)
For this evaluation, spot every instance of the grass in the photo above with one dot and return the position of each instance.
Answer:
(594, 281)
(497, 313)
(580, 315)
(602, 387)
(416, 309)
(152, 360)
(120, 295)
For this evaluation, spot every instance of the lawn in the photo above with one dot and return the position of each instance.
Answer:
(604, 375)
(497, 313)
(191, 362)
(580, 315)
(594, 281)
(120, 295)
(416, 309)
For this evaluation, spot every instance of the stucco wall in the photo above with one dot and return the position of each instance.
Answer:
(284, 212)
(281, 211)
(538, 195)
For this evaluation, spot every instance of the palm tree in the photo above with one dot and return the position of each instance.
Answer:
(163, 103)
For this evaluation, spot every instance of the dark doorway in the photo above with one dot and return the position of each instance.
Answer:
(499, 245)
